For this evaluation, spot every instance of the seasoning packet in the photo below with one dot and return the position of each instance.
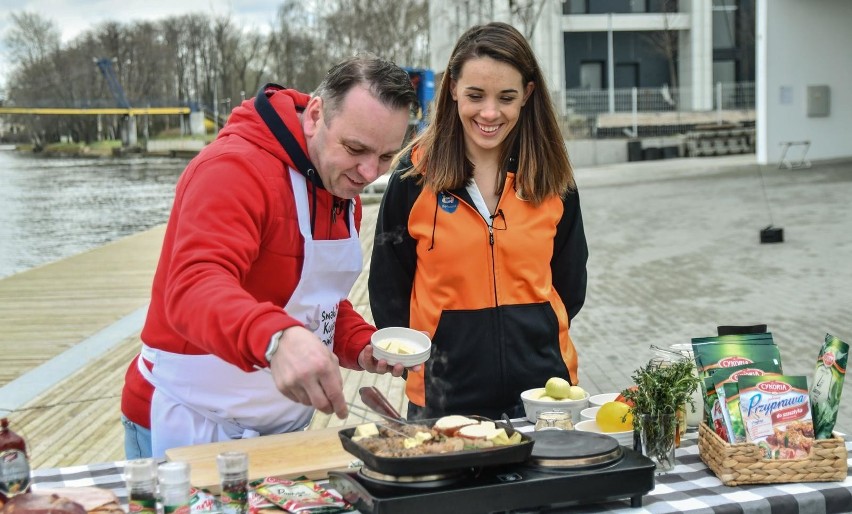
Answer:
(299, 496)
(828, 384)
(721, 352)
(776, 413)
(712, 356)
(201, 500)
(726, 407)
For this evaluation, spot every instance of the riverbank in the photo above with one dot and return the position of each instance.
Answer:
(170, 147)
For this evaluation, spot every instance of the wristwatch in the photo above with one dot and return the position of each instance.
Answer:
(273, 345)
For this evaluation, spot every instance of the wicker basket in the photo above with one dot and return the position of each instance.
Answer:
(742, 463)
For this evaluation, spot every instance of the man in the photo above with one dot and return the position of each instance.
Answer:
(260, 252)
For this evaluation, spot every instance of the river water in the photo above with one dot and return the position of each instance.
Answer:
(52, 208)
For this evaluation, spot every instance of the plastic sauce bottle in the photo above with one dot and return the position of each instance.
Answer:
(141, 478)
(233, 475)
(14, 464)
(174, 487)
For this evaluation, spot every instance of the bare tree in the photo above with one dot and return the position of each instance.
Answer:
(396, 30)
(527, 13)
(665, 42)
(31, 38)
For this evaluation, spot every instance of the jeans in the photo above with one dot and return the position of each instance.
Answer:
(137, 440)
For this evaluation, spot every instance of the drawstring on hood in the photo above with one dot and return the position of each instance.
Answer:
(291, 146)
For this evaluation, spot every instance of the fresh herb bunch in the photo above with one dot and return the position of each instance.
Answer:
(662, 387)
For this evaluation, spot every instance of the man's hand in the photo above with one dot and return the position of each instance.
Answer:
(307, 373)
(369, 363)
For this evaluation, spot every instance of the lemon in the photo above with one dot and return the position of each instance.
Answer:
(609, 417)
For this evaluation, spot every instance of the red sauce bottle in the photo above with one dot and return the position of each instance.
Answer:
(14, 465)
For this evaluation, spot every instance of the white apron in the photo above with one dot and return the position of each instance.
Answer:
(201, 398)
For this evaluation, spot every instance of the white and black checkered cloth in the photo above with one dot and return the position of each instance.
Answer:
(690, 487)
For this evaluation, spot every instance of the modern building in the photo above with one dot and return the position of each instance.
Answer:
(689, 46)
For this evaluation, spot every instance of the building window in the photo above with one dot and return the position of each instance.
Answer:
(626, 75)
(575, 7)
(591, 75)
(638, 5)
(724, 24)
(724, 72)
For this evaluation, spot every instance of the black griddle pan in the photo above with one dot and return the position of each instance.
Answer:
(442, 462)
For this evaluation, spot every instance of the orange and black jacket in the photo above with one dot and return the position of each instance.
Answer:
(497, 301)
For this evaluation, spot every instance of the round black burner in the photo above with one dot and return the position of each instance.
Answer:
(412, 481)
(573, 449)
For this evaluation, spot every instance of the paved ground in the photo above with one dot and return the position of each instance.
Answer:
(675, 251)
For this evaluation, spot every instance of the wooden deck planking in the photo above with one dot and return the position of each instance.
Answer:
(47, 310)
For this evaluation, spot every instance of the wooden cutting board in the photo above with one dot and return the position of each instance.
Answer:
(310, 453)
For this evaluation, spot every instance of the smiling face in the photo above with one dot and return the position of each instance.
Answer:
(353, 146)
(489, 94)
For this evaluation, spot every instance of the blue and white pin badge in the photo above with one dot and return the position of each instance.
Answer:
(448, 202)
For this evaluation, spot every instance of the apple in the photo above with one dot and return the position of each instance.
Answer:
(576, 393)
(449, 425)
(557, 388)
(545, 398)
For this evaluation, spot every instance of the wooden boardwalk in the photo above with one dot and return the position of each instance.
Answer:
(48, 310)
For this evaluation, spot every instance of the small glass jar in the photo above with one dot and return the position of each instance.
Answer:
(554, 420)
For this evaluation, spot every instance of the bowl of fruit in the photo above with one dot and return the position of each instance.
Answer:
(613, 419)
(557, 394)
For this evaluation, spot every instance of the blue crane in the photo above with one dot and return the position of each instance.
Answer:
(114, 85)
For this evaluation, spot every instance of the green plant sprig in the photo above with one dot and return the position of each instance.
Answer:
(662, 387)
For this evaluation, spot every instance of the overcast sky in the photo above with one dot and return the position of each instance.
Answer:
(76, 16)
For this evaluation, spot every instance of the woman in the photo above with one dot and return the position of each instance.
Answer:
(479, 240)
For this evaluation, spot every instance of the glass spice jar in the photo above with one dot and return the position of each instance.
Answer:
(233, 475)
(554, 420)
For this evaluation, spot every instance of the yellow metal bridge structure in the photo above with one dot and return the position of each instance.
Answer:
(133, 111)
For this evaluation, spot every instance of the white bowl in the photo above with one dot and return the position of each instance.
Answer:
(597, 400)
(532, 405)
(624, 438)
(589, 413)
(416, 340)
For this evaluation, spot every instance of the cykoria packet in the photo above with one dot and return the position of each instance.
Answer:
(828, 384)
(712, 353)
(726, 409)
(777, 415)
(302, 496)
(710, 357)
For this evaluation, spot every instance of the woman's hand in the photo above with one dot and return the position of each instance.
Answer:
(369, 363)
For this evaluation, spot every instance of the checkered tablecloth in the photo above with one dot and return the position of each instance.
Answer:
(690, 487)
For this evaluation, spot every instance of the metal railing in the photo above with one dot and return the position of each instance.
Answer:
(634, 112)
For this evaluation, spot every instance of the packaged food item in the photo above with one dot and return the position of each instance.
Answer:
(303, 496)
(14, 463)
(776, 414)
(140, 476)
(721, 352)
(726, 407)
(724, 352)
(174, 487)
(233, 478)
(828, 384)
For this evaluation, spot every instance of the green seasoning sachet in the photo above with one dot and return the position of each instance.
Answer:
(827, 385)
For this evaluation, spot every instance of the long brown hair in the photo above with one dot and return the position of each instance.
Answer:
(543, 168)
